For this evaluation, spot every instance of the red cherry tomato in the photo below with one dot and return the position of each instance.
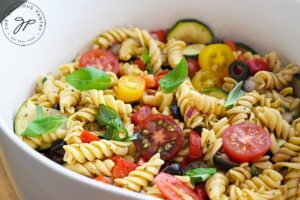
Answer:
(245, 142)
(140, 114)
(103, 179)
(122, 167)
(201, 192)
(100, 59)
(159, 76)
(141, 161)
(256, 65)
(193, 66)
(158, 133)
(87, 137)
(160, 35)
(173, 189)
(140, 64)
(185, 161)
(195, 146)
(149, 80)
(231, 44)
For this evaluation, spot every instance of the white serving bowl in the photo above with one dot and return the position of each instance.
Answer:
(266, 25)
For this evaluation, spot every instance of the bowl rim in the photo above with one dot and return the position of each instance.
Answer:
(51, 165)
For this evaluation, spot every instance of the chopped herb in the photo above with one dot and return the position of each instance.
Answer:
(234, 95)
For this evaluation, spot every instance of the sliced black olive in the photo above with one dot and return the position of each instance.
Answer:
(222, 161)
(193, 165)
(45, 152)
(269, 153)
(166, 67)
(198, 129)
(57, 151)
(174, 169)
(238, 70)
(176, 112)
(296, 85)
(56, 106)
(244, 48)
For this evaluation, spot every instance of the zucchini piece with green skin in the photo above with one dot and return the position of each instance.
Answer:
(216, 92)
(244, 48)
(193, 50)
(27, 113)
(191, 31)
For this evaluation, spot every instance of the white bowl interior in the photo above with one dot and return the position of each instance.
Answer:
(266, 26)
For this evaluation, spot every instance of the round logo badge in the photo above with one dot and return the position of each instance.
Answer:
(23, 23)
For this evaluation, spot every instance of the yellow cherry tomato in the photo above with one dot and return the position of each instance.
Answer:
(216, 58)
(203, 79)
(130, 88)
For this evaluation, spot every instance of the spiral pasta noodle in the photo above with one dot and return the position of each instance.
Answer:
(274, 62)
(292, 181)
(210, 144)
(51, 89)
(73, 135)
(127, 49)
(92, 168)
(229, 84)
(142, 175)
(160, 99)
(95, 150)
(41, 100)
(246, 55)
(69, 97)
(239, 174)
(290, 149)
(215, 186)
(130, 69)
(219, 126)
(82, 117)
(175, 51)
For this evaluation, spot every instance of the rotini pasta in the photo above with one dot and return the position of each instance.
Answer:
(174, 51)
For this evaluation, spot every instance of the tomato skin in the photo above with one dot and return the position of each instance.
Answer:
(87, 137)
(201, 192)
(256, 65)
(149, 80)
(195, 146)
(193, 66)
(173, 189)
(122, 167)
(160, 35)
(102, 179)
(140, 114)
(158, 132)
(245, 142)
(231, 44)
(140, 64)
(130, 88)
(101, 59)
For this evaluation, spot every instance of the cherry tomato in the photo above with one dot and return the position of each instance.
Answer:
(245, 142)
(203, 79)
(141, 161)
(103, 179)
(160, 35)
(256, 65)
(140, 114)
(100, 59)
(87, 137)
(130, 88)
(231, 44)
(173, 189)
(140, 64)
(159, 76)
(185, 161)
(195, 146)
(149, 80)
(158, 133)
(216, 58)
(201, 192)
(122, 167)
(193, 66)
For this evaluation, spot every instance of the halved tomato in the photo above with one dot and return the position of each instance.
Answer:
(158, 133)
(130, 88)
(173, 189)
(201, 192)
(195, 146)
(245, 142)
(140, 114)
(160, 35)
(101, 59)
(122, 167)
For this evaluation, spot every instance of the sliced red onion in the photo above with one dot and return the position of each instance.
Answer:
(115, 49)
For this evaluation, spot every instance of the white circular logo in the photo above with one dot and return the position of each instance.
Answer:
(23, 23)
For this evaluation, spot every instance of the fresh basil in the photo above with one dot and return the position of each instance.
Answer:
(89, 78)
(146, 59)
(114, 126)
(254, 170)
(199, 175)
(175, 77)
(234, 95)
(44, 126)
(39, 112)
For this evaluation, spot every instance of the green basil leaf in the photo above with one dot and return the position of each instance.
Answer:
(88, 78)
(235, 94)
(254, 170)
(146, 58)
(175, 77)
(44, 126)
(106, 114)
(39, 112)
(199, 175)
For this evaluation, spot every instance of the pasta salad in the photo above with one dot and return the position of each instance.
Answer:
(175, 114)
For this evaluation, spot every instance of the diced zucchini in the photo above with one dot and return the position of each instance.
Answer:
(193, 50)
(244, 48)
(191, 31)
(27, 113)
(216, 92)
